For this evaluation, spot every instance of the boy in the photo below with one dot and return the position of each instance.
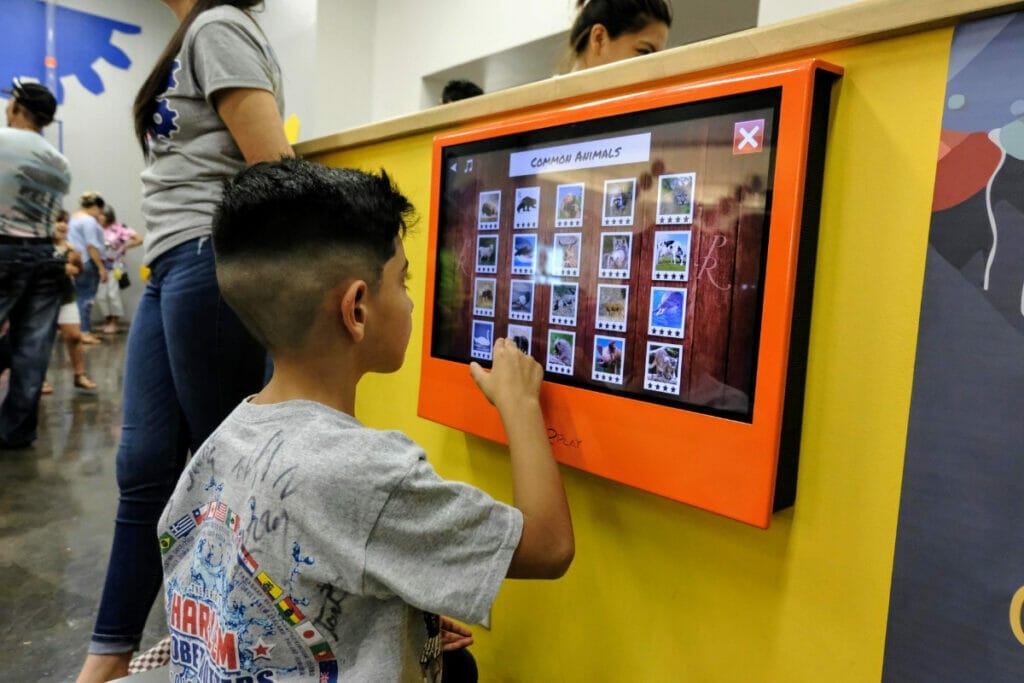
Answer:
(300, 545)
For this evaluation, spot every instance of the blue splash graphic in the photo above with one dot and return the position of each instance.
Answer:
(82, 40)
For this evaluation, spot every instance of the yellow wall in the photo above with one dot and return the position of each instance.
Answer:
(663, 592)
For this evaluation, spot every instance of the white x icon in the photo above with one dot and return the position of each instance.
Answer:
(748, 136)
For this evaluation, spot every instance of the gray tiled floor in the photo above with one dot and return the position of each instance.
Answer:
(57, 505)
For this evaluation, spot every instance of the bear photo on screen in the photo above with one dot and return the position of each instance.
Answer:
(527, 213)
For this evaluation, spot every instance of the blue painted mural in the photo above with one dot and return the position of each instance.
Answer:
(82, 39)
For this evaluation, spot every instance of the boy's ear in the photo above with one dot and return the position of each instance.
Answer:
(354, 308)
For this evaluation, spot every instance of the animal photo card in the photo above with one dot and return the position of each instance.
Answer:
(569, 206)
(619, 196)
(487, 254)
(664, 367)
(521, 336)
(608, 352)
(564, 304)
(527, 213)
(616, 249)
(483, 340)
(524, 254)
(675, 199)
(561, 345)
(671, 256)
(520, 303)
(564, 258)
(483, 296)
(612, 307)
(668, 312)
(488, 210)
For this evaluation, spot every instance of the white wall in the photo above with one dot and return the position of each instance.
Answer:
(291, 27)
(341, 78)
(415, 38)
(772, 11)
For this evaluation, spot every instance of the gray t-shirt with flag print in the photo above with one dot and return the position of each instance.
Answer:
(191, 151)
(300, 545)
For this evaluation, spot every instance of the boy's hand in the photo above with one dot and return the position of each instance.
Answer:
(514, 376)
(454, 636)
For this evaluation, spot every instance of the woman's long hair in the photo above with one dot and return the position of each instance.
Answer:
(618, 16)
(156, 82)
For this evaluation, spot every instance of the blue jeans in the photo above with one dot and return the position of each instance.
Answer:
(86, 284)
(189, 363)
(31, 282)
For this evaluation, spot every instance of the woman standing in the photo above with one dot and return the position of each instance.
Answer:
(607, 31)
(210, 106)
(85, 235)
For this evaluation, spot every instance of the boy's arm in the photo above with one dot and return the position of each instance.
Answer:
(547, 546)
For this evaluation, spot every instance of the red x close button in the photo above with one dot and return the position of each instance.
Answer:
(748, 137)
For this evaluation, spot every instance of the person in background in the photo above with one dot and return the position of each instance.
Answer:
(67, 318)
(85, 235)
(118, 238)
(607, 31)
(34, 177)
(459, 89)
(211, 105)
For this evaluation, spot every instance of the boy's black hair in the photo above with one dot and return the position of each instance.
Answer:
(287, 232)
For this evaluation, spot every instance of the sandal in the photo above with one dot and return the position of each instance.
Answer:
(89, 338)
(83, 382)
(47, 389)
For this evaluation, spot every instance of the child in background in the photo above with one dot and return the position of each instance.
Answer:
(68, 320)
(317, 547)
(118, 238)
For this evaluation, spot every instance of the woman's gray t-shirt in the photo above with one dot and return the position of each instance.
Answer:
(191, 151)
(301, 543)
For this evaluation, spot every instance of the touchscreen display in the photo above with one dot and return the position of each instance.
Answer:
(626, 254)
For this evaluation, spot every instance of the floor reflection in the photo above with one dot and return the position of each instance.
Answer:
(56, 521)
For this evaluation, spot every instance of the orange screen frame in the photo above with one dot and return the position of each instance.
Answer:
(725, 466)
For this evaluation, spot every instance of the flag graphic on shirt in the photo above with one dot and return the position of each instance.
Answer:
(183, 526)
(199, 514)
(271, 588)
(234, 521)
(329, 671)
(220, 511)
(290, 611)
(166, 542)
(322, 652)
(310, 636)
(247, 561)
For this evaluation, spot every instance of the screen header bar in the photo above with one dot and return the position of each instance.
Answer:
(628, 149)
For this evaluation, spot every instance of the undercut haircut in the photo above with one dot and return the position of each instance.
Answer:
(287, 232)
